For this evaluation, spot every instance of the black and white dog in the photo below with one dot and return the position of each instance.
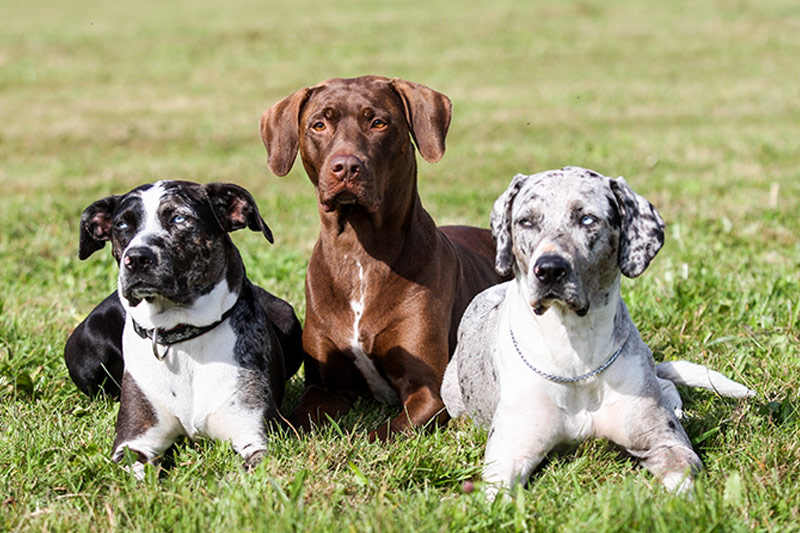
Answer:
(206, 352)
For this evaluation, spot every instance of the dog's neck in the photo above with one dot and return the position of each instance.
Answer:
(564, 343)
(206, 309)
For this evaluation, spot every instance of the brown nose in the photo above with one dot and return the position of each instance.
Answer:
(346, 167)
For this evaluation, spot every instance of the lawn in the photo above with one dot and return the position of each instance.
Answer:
(696, 103)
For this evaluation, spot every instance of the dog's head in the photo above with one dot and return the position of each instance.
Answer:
(170, 238)
(568, 233)
(354, 137)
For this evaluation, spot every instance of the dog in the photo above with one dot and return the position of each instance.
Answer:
(385, 287)
(202, 355)
(93, 351)
(553, 356)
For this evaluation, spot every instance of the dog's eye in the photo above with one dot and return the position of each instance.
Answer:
(525, 222)
(378, 124)
(587, 220)
(178, 219)
(121, 225)
(318, 126)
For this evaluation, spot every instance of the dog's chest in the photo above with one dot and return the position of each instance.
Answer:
(571, 409)
(360, 321)
(196, 379)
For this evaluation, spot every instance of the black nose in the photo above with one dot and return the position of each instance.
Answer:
(346, 167)
(139, 259)
(551, 268)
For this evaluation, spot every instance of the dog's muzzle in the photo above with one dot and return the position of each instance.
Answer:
(141, 276)
(553, 276)
(347, 182)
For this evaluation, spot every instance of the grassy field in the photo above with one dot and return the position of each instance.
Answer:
(696, 103)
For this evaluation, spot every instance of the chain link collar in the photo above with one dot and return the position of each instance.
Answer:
(560, 379)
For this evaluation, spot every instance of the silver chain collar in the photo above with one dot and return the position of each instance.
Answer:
(559, 379)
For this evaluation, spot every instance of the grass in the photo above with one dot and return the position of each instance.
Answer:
(695, 103)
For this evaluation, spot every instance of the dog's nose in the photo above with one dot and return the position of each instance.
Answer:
(139, 259)
(346, 167)
(551, 268)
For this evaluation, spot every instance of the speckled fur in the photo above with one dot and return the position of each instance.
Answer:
(224, 384)
(595, 228)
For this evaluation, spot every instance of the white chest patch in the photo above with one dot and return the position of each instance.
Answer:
(382, 390)
(196, 379)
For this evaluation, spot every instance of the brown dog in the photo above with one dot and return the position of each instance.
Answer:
(385, 287)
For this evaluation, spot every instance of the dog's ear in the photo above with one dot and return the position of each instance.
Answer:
(95, 228)
(280, 131)
(642, 231)
(235, 208)
(500, 221)
(428, 115)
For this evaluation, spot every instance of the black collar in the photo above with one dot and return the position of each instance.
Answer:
(181, 332)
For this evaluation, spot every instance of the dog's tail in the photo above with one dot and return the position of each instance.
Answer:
(694, 375)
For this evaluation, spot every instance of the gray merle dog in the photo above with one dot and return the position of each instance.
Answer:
(552, 356)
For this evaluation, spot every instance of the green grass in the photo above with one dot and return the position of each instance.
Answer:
(695, 103)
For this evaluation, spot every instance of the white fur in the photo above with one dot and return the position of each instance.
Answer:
(151, 199)
(192, 390)
(694, 375)
(377, 385)
(534, 414)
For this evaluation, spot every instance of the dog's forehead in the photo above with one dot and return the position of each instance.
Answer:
(182, 193)
(557, 189)
(351, 95)
(151, 197)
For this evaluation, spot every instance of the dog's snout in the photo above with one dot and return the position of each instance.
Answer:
(139, 259)
(551, 268)
(346, 167)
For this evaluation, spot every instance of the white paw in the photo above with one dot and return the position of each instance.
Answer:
(678, 483)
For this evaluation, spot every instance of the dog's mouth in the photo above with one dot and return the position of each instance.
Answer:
(541, 305)
(348, 198)
(136, 290)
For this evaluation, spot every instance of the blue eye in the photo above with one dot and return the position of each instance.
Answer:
(178, 219)
(121, 225)
(588, 220)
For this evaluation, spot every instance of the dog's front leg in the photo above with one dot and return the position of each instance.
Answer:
(245, 428)
(420, 407)
(517, 443)
(325, 367)
(142, 427)
(654, 436)
(417, 381)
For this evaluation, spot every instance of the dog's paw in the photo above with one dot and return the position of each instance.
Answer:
(679, 483)
(137, 469)
(254, 460)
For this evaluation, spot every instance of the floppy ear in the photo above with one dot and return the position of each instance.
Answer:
(500, 221)
(235, 208)
(428, 115)
(642, 231)
(95, 227)
(280, 131)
